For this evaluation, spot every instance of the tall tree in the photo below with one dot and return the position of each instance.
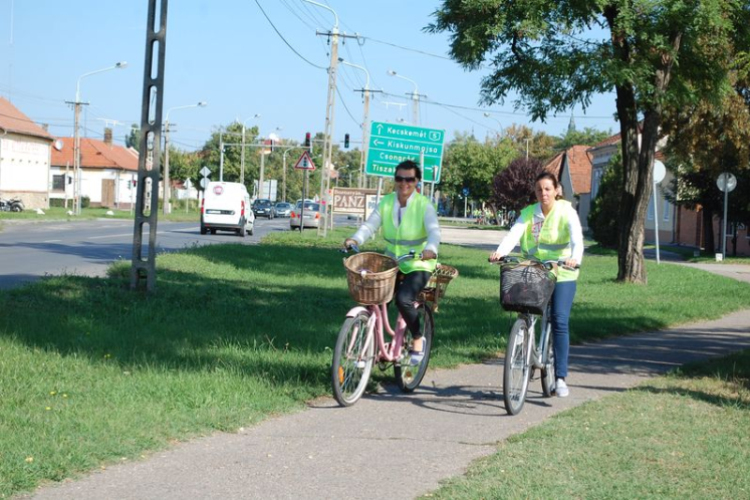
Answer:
(471, 164)
(133, 139)
(551, 53)
(706, 139)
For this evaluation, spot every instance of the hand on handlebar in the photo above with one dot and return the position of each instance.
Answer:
(351, 244)
(495, 257)
(428, 255)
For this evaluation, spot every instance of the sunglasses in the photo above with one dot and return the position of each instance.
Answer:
(405, 179)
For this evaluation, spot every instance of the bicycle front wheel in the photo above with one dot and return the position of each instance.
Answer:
(517, 371)
(548, 362)
(352, 360)
(409, 377)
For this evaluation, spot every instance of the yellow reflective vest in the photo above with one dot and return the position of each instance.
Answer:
(554, 237)
(410, 235)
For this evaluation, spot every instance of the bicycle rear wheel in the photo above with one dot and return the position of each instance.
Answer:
(517, 371)
(409, 377)
(352, 360)
(548, 360)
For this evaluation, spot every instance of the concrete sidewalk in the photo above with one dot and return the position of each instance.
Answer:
(405, 443)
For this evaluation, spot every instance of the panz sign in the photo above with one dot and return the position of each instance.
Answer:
(350, 201)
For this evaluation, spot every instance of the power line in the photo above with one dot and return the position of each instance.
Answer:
(284, 39)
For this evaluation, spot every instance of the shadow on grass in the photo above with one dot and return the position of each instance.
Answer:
(713, 399)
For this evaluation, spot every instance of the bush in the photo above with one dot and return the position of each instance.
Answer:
(85, 202)
(605, 208)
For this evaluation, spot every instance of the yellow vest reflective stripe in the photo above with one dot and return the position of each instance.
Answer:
(409, 235)
(554, 237)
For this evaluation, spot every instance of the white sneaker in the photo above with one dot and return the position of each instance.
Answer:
(561, 388)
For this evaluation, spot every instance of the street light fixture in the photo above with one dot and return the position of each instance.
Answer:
(242, 154)
(77, 139)
(414, 95)
(500, 130)
(365, 122)
(166, 205)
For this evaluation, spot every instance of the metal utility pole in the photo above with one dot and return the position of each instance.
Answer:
(221, 155)
(325, 179)
(148, 178)
(167, 196)
(415, 95)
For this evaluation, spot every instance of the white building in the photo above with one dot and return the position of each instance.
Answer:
(24, 157)
(108, 172)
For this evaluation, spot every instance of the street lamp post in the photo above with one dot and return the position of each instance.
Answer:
(500, 125)
(242, 155)
(166, 205)
(414, 96)
(325, 178)
(365, 122)
(77, 138)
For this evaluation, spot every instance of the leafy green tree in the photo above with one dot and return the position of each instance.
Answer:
(603, 219)
(706, 139)
(586, 137)
(468, 163)
(652, 54)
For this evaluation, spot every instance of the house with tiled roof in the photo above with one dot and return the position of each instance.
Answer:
(573, 170)
(24, 157)
(108, 172)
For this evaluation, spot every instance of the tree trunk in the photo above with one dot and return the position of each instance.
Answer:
(630, 239)
(708, 231)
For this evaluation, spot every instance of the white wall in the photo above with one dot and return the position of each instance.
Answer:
(24, 166)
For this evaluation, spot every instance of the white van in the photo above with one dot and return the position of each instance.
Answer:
(226, 207)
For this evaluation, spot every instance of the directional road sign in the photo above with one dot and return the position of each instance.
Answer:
(392, 143)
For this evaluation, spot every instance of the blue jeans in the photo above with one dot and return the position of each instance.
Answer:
(562, 302)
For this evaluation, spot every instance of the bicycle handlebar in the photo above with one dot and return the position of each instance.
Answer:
(411, 255)
(549, 264)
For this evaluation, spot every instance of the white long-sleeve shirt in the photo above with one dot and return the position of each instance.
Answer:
(371, 225)
(516, 233)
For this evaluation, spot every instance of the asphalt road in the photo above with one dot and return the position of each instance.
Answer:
(32, 250)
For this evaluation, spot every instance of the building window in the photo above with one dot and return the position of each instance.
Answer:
(58, 182)
(665, 210)
(650, 214)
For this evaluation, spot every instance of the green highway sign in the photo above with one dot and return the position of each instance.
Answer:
(392, 143)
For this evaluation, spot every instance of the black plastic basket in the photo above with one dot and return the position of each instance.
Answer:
(526, 287)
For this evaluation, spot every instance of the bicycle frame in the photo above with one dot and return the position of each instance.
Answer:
(537, 355)
(378, 321)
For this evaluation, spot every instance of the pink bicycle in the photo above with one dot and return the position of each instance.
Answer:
(361, 341)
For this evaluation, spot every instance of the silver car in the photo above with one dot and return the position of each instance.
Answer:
(283, 209)
(312, 215)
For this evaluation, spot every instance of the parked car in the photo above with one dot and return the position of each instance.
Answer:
(282, 209)
(312, 215)
(263, 208)
(226, 207)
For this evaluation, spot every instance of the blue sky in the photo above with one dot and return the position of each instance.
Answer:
(226, 52)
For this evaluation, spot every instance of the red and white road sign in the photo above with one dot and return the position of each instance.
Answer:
(305, 162)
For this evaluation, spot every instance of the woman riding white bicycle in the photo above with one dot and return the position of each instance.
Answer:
(551, 230)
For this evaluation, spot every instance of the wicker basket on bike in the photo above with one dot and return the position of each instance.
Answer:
(526, 286)
(438, 284)
(371, 277)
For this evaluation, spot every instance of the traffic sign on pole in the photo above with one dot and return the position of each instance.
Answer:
(392, 143)
(305, 162)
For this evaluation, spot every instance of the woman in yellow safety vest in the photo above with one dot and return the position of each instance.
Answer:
(551, 230)
(409, 223)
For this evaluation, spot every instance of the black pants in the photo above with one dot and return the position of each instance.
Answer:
(408, 287)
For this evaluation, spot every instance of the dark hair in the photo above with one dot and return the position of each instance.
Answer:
(408, 165)
(544, 174)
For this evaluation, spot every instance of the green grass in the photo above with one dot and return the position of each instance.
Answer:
(58, 213)
(680, 436)
(93, 373)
